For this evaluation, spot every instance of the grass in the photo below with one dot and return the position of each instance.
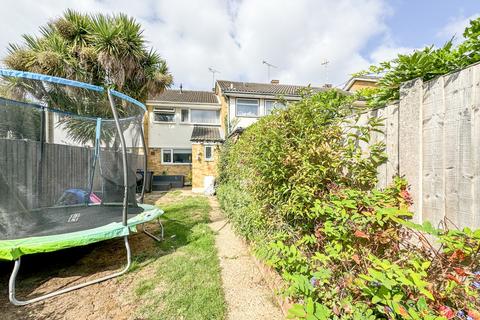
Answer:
(186, 281)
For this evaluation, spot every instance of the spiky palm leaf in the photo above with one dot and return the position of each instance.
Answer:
(106, 50)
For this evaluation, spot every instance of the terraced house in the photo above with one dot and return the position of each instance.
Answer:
(184, 129)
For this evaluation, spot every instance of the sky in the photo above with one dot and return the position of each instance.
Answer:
(236, 36)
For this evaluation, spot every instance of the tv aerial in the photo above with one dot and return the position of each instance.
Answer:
(269, 65)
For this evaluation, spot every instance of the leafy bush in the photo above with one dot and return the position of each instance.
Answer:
(300, 185)
(427, 64)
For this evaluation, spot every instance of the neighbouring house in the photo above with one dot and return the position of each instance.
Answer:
(361, 82)
(184, 129)
(243, 103)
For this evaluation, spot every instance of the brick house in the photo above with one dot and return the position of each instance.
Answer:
(184, 129)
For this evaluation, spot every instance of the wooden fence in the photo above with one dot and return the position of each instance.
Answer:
(35, 175)
(432, 138)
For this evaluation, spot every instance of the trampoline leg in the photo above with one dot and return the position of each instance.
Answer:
(11, 283)
(154, 237)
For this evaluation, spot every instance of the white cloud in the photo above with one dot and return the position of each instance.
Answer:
(235, 36)
(455, 27)
(387, 52)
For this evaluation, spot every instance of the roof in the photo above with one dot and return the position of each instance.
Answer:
(368, 78)
(262, 88)
(188, 96)
(204, 133)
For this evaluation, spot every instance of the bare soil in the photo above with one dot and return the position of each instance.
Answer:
(112, 299)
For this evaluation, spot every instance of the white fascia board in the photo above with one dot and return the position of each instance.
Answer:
(261, 96)
(183, 104)
(186, 104)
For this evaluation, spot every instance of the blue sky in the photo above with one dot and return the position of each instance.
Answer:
(235, 36)
(415, 23)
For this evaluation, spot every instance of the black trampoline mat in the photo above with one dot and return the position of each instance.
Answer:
(60, 220)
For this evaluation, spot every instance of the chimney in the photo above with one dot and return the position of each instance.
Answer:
(181, 88)
(275, 81)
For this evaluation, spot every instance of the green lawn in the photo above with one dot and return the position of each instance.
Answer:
(185, 283)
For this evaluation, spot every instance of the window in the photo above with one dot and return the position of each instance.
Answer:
(182, 156)
(271, 105)
(164, 115)
(185, 115)
(247, 107)
(176, 156)
(205, 116)
(166, 155)
(208, 153)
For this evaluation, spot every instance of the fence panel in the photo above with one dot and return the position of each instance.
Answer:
(432, 138)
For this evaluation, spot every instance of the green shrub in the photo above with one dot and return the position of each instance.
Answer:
(426, 63)
(300, 185)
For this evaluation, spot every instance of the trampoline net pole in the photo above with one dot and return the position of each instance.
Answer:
(145, 164)
(124, 158)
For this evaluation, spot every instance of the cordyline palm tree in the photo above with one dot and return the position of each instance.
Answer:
(105, 50)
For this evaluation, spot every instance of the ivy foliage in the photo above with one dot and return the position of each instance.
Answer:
(300, 185)
(426, 64)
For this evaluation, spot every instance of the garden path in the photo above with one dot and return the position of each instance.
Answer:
(246, 292)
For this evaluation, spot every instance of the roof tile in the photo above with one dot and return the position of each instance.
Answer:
(186, 96)
(262, 88)
(204, 133)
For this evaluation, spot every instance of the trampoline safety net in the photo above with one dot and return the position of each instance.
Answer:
(61, 155)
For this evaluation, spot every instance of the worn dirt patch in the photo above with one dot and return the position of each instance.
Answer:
(112, 299)
(246, 293)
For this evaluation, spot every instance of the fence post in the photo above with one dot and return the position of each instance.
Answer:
(410, 140)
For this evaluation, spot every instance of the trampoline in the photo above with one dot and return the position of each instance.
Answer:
(69, 152)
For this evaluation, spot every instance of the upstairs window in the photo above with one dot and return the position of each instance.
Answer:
(247, 108)
(164, 115)
(271, 105)
(185, 116)
(205, 116)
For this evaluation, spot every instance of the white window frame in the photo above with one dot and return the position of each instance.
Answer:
(202, 123)
(163, 150)
(246, 99)
(170, 150)
(164, 110)
(188, 117)
(274, 101)
(212, 157)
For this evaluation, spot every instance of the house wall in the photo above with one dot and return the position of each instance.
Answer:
(362, 84)
(155, 165)
(172, 135)
(223, 112)
(236, 121)
(202, 168)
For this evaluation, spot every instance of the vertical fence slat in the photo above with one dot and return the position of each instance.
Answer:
(433, 151)
(410, 145)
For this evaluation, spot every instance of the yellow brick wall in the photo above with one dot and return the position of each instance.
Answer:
(223, 110)
(155, 164)
(200, 167)
(360, 84)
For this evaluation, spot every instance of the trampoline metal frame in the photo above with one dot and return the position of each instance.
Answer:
(16, 268)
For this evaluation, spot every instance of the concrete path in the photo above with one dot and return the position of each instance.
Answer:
(246, 293)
